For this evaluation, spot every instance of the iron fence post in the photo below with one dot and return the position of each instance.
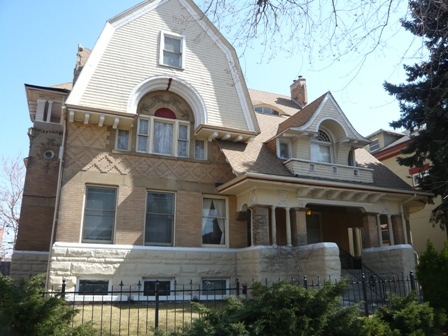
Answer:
(364, 293)
(156, 292)
(305, 282)
(237, 287)
(412, 277)
(63, 289)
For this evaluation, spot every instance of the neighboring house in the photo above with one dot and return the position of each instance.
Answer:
(386, 146)
(159, 163)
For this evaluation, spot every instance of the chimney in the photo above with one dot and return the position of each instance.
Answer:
(298, 91)
(81, 59)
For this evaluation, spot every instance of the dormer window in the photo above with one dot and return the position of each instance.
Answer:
(321, 147)
(172, 50)
(284, 149)
(266, 110)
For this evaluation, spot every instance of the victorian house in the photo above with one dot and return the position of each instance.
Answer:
(158, 162)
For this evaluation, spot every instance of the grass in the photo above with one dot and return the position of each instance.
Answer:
(135, 318)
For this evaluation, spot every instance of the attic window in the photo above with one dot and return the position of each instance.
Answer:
(172, 50)
(321, 149)
(322, 136)
(266, 110)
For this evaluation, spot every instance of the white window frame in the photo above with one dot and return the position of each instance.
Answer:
(149, 147)
(286, 142)
(99, 241)
(374, 145)
(318, 144)
(175, 36)
(226, 225)
(172, 225)
(118, 137)
(72, 297)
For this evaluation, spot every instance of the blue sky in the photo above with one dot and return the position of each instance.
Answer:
(40, 39)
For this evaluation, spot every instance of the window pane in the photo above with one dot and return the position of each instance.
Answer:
(214, 287)
(320, 153)
(183, 132)
(172, 44)
(163, 138)
(159, 218)
(143, 126)
(99, 214)
(199, 149)
(93, 287)
(213, 221)
(123, 140)
(284, 150)
(164, 288)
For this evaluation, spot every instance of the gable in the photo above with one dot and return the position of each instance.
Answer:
(124, 66)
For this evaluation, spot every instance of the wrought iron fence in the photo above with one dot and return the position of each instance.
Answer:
(134, 310)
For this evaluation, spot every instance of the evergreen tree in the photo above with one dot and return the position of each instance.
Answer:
(423, 102)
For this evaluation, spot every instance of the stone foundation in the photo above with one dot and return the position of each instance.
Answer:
(131, 264)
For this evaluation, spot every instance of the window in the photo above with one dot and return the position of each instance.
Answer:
(214, 221)
(374, 145)
(164, 287)
(214, 287)
(199, 149)
(266, 110)
(99, 214)
(159, 218)
(172, 50)
(123, 140)
(163, 136)
(321, 148)
(93, 287)
(284, 149)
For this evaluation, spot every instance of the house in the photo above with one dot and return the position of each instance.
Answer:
(158, 163)
(386, 146)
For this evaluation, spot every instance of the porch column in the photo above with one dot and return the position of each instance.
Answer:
(288, 227)
(260, 225)
(299, 234)
(380, 236)
(399, 233)
(391, 230)
(370, 230)
(273, 227)
(50, 106)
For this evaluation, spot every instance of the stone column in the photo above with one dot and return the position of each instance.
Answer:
(299, 234)
(273, 227)
(288, 227)
(260, 225)
(370, 230)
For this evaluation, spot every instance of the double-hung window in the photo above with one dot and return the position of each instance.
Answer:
(214, 221)
(172, 50)
(123, 140)
(159, 226)
(163, 136)
(99, 214)
(321, 148)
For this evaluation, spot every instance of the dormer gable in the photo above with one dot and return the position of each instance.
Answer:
(165, 45)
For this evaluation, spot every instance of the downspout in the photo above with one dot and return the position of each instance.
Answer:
(58, 191)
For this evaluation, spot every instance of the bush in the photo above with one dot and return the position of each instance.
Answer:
(282, 309)
(24, 310)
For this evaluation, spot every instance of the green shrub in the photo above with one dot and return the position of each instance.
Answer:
(282, 309)
(24, 311)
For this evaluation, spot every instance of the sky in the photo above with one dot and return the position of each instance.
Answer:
(39, 41)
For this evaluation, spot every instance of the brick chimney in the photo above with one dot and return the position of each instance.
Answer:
(298, 91)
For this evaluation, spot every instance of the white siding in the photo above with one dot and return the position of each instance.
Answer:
(132, 55)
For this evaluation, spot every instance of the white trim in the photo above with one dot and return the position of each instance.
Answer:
(286, 142)
(182, 41)
(176, 85)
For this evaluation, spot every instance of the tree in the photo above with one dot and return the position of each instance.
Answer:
(322, 30)
(12, 178)
(423, 101)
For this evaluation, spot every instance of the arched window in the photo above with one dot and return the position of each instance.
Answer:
(321, 147)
